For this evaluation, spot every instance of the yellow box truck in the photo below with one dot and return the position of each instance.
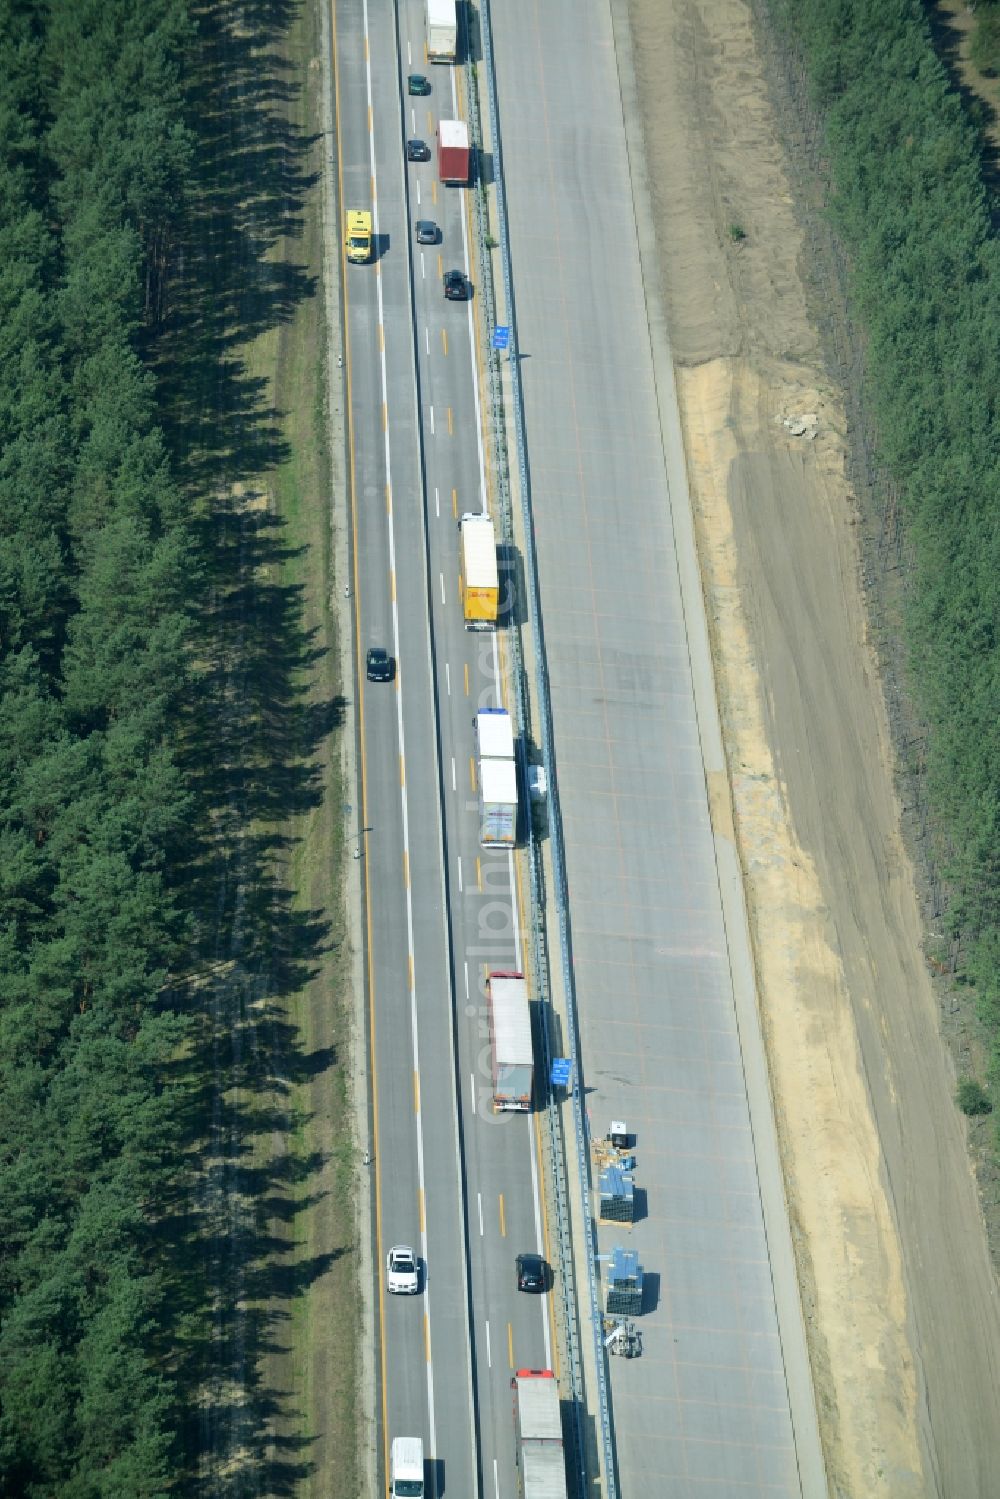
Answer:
(358, 240)
(480, 585)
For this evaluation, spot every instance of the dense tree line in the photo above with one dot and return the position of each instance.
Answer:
(99, 565)
(911, 205)
(985, 45)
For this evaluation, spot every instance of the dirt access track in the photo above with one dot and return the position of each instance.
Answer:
(897, 1286)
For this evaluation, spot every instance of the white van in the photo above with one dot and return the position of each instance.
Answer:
(406, 1468)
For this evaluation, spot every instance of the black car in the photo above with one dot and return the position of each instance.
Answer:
(426, 231)
(418, 151)
(381, 666)
(456, 288)
(532, 1272)
(416, 83)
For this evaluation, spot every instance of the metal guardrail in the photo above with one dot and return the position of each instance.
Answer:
(555, 1133)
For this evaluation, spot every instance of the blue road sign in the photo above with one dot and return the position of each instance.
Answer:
(501, 338)
(562, 1071)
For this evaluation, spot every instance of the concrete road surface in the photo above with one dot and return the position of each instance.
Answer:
(662, 975)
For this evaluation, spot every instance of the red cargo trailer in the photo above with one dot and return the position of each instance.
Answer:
(453, 152)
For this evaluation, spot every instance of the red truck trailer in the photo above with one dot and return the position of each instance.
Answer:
(453, 153)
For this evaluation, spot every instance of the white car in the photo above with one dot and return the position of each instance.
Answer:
(401, 1275)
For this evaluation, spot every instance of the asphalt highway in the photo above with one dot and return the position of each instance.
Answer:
(451, 1179)
(720, 1403)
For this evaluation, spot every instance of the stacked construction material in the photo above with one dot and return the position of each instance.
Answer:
(623, 1292)
(617, 1195)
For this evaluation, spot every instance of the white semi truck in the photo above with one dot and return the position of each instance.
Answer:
(442, 31)
(497, 779)
(538, 1429)
(511, 1054)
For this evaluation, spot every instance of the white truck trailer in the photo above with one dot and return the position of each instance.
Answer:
(442, 31)
(540, 1459)
(512, 1056)
(497, 779)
